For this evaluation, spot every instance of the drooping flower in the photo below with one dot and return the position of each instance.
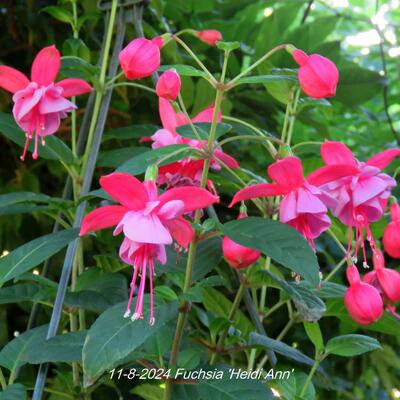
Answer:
(169, 85)
(391, 235)
(209, 36)
(40, 103)
(360, 198)
(149, 222)
(140, 58)
(302, 206)
(236, 255)
(318, 76)
(186, 171)
(363, 301)
(386, 280)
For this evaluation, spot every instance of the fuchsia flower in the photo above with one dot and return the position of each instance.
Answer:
(236, 255)
(169, 85)
(360, 198)
(149, 222)
(186, 171)
(391, 235)
(386, 280)
(210, 36)
(140, 58)
(302, 205)
(318, 76)
(40, 103)
(363, 301)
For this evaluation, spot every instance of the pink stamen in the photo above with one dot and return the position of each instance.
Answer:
(133, 282)
(25, 147)
(35, 151)
(152, 320)
(139, 301)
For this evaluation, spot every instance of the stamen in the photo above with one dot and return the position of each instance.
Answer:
(152, 320)
(133, 282)
(25, 147)
(35, 151)
(139, 301)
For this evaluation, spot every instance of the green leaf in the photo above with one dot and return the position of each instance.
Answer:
(166, 292)
(279, 241)
(228, 46)
(114, 158)
(76, 67)
(278, 77)
(280, 348)
(62, 348)
(233, 389)
(33, 253)
(184, 70)
(14, 392)
(77, 48)
(203, 129)
(351, 345)
(308, 305)
(216, 303)
(148, 391)
(327, 289)
(138, 164)
(130, 132)
(55, 149)
(112, 337)
(18, 293)
(8, 199)
(12, 355)
(314, 334)
(357, 85)
(189, 358)
(59, 13)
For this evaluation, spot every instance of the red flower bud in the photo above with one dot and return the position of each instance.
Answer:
(318, 76)
(391, 235)
(363, 301)
(236, 255)
(140, 58)
(169, 85)
(210, 36)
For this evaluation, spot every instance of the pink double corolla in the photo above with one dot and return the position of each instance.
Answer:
(361, 197)
(302, 205)
(149, 222)
(40, 103)
(188, 170)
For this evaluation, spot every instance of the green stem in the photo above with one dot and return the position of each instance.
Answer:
(210, 76)
(306, 143)
(193, 245)
(170, 155)
(3, 382)
(231, 316)
(292, 117)
(336, 269)
(137, 85)
(249, 137)
(338, 242)
(116, 77)
(309, 377)
(101, 90)
(231, 83)
(286, 119)
(275, 307)
(183, 108)
(269, 146)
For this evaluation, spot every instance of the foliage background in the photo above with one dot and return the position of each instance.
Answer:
(368, 92)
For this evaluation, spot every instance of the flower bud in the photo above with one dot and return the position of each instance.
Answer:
(389, 281)
(140, 58)
(363, 301)
(210, 36)
(236, 255)
(318, 76)
(169, 85)
(391, 235)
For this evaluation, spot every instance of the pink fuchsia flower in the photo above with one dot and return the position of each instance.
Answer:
(236, 255)
(318, 76)
(363, 301)
(391, 235)
(40, 103)
(169, 85)
(149, 222)
(302, 205)
(386, 280)
(209, 36)
(360, 198)
(186, 171)
(140, 58)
